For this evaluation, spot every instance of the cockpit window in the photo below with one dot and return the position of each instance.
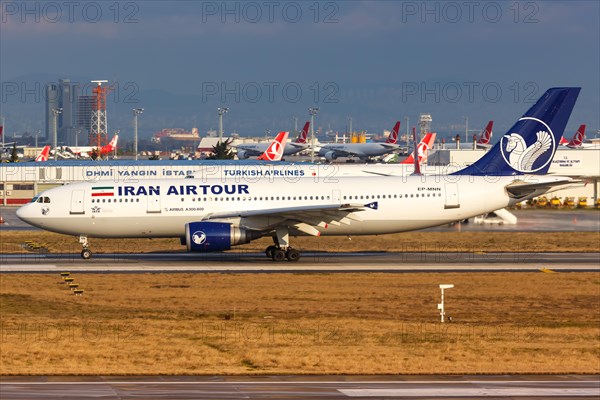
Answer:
(43, 199)
(46, 199)
(34, 199)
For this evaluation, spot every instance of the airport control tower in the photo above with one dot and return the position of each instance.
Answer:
(99, 126)
(425, 124)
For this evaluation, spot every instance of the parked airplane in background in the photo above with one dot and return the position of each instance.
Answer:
(276, 148)
(86, 151)
(422, 150)
(362, 150)
(43, 155)
(245, 151)
(484, 139)
(212, 215)
(578, 139)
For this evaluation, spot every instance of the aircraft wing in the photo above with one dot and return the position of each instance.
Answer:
(341, 151)
(251, 151)
(390, 146)
(304, 218)
(297, 145)
(520, 189)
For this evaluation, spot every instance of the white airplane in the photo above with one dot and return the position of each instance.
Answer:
(212, 215)
(245, 151)
(85, 151)
(363, 151)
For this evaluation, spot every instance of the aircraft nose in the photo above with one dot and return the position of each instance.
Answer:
(23, 213)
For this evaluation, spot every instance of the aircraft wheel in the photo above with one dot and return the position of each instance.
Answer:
(292, 255)
(86, 254)
(269, 251)
(278, 255)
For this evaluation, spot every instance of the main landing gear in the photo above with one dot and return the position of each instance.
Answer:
(86, 253)
(281, 250)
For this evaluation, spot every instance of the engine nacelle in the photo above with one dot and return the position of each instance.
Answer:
(242, 154)
(331, 156)
(215, 236)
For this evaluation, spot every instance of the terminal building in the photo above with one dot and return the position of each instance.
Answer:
(20, 182)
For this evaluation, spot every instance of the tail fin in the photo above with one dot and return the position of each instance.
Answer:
(111, 146)
(302, 138)
(393, 138)
(577, 140)
(423, 149)
(113, 142)
(275, 150)
(563, 141)
(529, 146)
(486, 135)
(43, 156)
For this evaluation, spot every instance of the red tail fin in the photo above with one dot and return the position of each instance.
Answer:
(577, 140)
(393, 138)
(422, 149)
(563, 141)
(1, 129)
(43, 156)
(303, 134)
(111, 146)
(275, 150)
(486, 135)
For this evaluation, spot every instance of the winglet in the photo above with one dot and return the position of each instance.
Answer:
(529, 146)
(415, 155)
(275, 150)
(393, 138)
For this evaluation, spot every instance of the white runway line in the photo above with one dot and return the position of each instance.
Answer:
(472, 392)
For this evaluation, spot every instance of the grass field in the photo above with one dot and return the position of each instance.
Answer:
(371, 323)
(13, 242)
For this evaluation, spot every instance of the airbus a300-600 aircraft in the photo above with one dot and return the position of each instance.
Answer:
(210, 215)
(364, 151)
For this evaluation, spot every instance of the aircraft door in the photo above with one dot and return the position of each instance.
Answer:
(77, 202)
(153, 204)
(451, 196)
(336, 197)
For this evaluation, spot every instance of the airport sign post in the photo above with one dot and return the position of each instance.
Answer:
(441, 305)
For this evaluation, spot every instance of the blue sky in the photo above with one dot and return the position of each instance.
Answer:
(270, 61)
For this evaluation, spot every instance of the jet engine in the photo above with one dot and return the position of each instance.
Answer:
(215, 236)
(330, 156)
(242, 154)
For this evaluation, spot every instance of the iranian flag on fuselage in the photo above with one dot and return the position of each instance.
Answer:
(103, 191)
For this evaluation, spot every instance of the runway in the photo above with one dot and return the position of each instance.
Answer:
(301, 387)
(243, 262)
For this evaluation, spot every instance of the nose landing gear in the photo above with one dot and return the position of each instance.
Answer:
(86, 253)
